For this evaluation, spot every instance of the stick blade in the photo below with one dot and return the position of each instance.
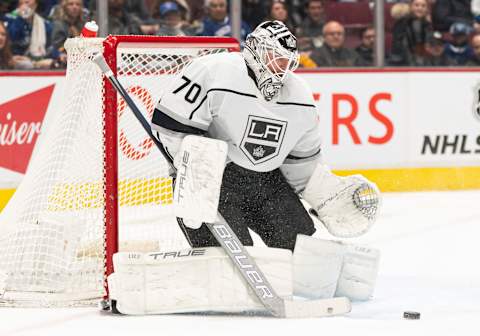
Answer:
(317, 308)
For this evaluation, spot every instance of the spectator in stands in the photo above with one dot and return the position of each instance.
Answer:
(69, 24)
(297, 11)
(154, 20)
(217, 22)
(435, 48)
(446, 12)
(183, 7)
(278, 10)
(399, 10)
(475, 59)
(57, 11)
(195, 10)
(475, 9)
(254, 12)
(138, 9)
(171, 20)
(126, 17)
(309, 33)
(47, 7)
(458, 51)
(333, 53)
(30, 36)
(476, 24)
(410, 35)
(6, 56)
(365, 49)
(120, 21)
(6, 6)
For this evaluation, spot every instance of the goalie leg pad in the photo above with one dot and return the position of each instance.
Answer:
(193, 280)
(347, 206)
(359, 273)
(317, 264)
(323, 269)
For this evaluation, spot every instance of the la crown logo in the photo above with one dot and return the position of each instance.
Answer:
(290, 41)
(259, 152)
(20, 124)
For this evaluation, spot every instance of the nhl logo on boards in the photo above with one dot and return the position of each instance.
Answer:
(263, 138)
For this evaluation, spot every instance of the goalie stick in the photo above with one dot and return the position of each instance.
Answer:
(228, 240)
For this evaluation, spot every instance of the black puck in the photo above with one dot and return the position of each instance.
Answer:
(411, 315)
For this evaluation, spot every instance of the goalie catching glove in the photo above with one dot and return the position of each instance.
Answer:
(347, 206)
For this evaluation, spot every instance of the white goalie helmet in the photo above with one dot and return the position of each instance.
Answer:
(271, 53)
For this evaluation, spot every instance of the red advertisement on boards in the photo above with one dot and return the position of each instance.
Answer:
(20, 124)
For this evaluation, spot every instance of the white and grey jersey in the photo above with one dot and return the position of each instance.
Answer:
(216, 96)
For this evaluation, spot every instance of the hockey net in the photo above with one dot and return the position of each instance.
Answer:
(96, 183)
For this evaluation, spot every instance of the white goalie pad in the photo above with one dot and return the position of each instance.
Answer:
(323, 269)
(193, 280)
(317, 264)
(200, 163)
(347, 206)
(3, 283)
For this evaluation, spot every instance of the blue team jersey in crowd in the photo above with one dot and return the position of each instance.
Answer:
(224, 28)
(460, 55)
(20, 32)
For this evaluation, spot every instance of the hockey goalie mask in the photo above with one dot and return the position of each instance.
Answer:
(271, 52)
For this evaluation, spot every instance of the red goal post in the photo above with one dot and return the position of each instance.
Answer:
(111, 45)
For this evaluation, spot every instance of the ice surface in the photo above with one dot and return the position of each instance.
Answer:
(430, 263)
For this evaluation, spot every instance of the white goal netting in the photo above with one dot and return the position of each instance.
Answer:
(52, 232)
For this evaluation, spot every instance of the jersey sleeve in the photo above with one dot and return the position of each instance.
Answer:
(302, 160)
(183, 107)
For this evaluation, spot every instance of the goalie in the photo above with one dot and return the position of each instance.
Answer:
(265, 113)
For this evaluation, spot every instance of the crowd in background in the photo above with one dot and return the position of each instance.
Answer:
(330, 33)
